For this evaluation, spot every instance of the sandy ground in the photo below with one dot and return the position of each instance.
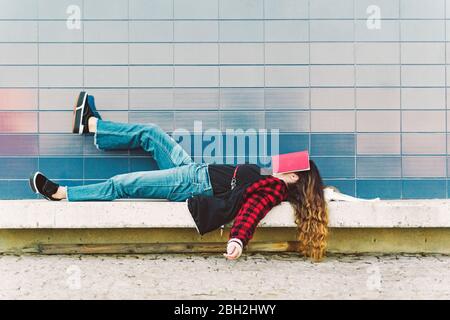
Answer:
(254, 276)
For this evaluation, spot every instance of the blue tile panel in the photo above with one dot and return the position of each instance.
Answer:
(368, 98)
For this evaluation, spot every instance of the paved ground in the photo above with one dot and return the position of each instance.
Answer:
(257, 276)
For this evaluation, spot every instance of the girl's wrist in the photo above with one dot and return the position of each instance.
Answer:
(238, 241)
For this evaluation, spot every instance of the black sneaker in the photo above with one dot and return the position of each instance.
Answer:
(43, 186)
(82, 111)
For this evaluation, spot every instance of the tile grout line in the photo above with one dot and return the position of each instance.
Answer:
(446, 103)
(83, 138)
(128, 78)
(38, 93)
(309, 76)
(355, 134)
(401, 100)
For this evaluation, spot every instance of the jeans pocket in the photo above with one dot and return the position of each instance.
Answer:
(196, 173)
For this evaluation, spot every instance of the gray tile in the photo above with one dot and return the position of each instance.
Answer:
(196, 53)
(151, 53)
(151, 31)
(18, 53)
(106, 53)
(388, 31)
(18, 31)
(332, 98)
(288, 121)
(18, 9)
(377, 75)
(382, 143)
(286, 53)
(424, 143)
(151, 9)
(241, 31)
(196, 9)
(332, 53)
(18, 76)
(117, 116)
(242, 98)
(105, 9)
(196, 99)
(422, 30)
(151, 76)
(57, 31)
(18, 122)
(332, 30)
(196, 76)
(378, 98)
(377, 53)
(196, 31)
(144, 99)
(423, 98)
(286, 98)
(164, 119)
(60, 9)
(110, 99)
(18, 99)
(241, 76)
(331, 76)
(286, 30)
(241, 53)
(388, 9)
(57, 99)
(60, 145)
(67, 76)
(375, 167)
(327, 9)
(242, 120)
(332, 121)
(378, 121)
(419, 9)
(423, 121)
(55, 122)
(241, 9)
(286, 9)
(60, 53)
(422, 75)
(106, 76)
(423, 53)
(106, 31)
(194, 119)
(286, 76)
(424, 166)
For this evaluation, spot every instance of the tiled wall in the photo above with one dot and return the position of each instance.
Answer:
(370, 104)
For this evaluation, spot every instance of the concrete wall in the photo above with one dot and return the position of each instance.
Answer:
(369, 103)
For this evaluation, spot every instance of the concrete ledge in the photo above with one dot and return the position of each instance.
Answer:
(42, 214)
(143, 226)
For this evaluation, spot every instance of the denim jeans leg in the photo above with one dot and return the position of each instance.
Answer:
(175, 184)
(150, 137)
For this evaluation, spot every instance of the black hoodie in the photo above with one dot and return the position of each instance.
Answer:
(211, 212)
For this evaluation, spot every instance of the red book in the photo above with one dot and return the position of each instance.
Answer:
(289, 162)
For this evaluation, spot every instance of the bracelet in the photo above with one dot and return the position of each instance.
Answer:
(238, 241)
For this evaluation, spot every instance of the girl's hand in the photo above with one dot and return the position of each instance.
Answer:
(234, 251)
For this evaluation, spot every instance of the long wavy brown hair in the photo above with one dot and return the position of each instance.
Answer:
(311, 212)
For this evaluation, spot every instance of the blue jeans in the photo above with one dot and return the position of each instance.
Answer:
(179, 176)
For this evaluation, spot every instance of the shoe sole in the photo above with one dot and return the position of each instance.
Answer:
(78, 111)
(33, 186)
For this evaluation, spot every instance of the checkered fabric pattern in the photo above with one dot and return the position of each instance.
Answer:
(259, 198)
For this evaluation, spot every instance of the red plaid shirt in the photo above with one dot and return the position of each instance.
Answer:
(259, 198)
